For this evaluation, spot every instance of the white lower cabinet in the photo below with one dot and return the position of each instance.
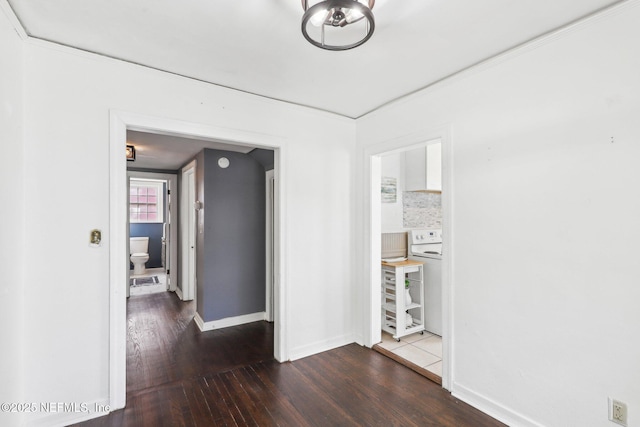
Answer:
(402, 298)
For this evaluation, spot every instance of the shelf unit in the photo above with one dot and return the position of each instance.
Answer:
(394, 301)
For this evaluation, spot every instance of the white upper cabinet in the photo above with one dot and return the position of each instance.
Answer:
(434, 167)
(415, 172)
(423, 168)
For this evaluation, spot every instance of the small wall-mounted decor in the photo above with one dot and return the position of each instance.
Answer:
(389, 190)
(131, 153)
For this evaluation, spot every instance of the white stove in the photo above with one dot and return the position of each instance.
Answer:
(425, 246)
(425, 243)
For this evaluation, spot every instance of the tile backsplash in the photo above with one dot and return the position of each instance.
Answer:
(421, 210)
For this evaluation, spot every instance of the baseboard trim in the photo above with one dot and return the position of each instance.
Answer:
(228, 321)
(179, 293)
(320, 346)
(492, 408)
(70, 413)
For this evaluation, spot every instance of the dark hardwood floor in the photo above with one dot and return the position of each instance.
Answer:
(178, 376)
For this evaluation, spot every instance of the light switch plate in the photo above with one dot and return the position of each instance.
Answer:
(95, 237)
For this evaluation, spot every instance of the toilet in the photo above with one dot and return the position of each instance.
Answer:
(139, 249)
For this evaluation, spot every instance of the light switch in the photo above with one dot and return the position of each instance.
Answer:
(95, 238)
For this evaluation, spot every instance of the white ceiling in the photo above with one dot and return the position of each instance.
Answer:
(256, 45)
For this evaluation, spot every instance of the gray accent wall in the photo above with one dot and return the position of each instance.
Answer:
(230, 235)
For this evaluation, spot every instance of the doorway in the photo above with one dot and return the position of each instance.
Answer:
(411, 223)
(120, 122)
(153, 216)
(373, 236)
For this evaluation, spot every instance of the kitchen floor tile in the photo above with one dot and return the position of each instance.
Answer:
(432, 344)
(436, 368)
(415, 355)
(389, 343)
(416, 337)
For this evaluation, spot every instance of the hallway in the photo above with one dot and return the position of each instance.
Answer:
(178, 376)
(164, 344)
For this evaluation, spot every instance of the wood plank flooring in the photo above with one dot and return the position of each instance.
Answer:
(164, 344)
(178, 376)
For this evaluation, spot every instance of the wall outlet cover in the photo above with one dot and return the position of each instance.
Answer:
(618, 412)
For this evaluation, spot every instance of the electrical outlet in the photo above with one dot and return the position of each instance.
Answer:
(618, 412)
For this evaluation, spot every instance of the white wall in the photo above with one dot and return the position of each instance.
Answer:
(545, 221)
(11, 222)
(392, 214)
(67, 101)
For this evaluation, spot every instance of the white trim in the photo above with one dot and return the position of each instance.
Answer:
(228, 321)
(119, 123)
(320, 346)
(448, 258)
(13, 20)
(269, 197)
(492, 408)
(281, 301)
(118, 266)
(179, 293)
(371, 171)
(61, 419)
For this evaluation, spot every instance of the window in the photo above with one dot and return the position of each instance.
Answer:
(146, 201)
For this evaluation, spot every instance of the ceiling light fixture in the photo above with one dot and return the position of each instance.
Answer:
(337, 24)
(131, 153)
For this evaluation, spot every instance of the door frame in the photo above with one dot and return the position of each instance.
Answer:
(172, 185)
(119, 123)
(269, 240)
(372, 229)
(188, 230)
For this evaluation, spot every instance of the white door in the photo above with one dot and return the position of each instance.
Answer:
(188, 232)
(128, 241)
(166, 239)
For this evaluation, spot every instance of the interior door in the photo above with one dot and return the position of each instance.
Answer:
(188, 232)
(128, 241)
(165, 253)
(166, 237)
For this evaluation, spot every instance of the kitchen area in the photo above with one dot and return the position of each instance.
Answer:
(411, 241)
